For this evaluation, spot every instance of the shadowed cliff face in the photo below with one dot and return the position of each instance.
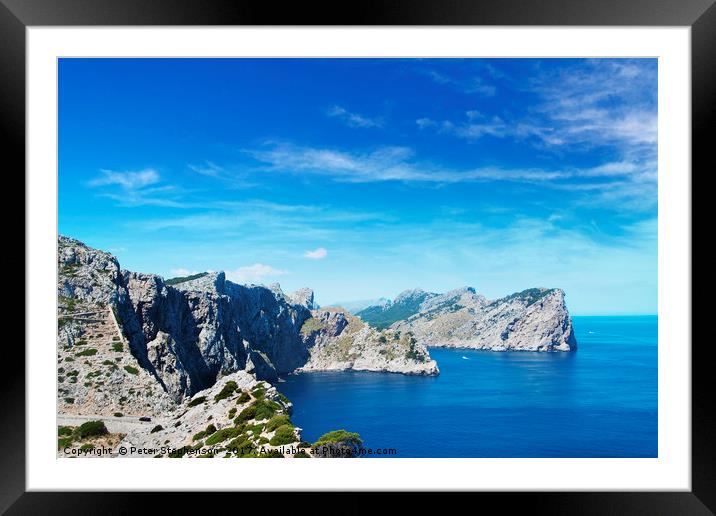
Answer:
(191, 337)
(189, 334)
(193, 332)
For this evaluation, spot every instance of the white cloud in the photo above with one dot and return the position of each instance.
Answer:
(253, 273)
(182, 272)
(317, 254)
(354, 119)
(398, 164)
(473, 84)
(136, 188)
(207, 169)
(127, 180)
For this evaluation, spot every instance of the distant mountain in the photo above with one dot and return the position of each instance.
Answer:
(406, 304)
(535, 319)
(358, 305)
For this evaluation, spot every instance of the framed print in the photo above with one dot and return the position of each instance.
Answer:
(431, 248)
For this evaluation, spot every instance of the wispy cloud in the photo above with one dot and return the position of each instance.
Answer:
(354, 119)
(209, 169)
(474, 127)
(399, 164)
(126, 180)
(317, 254)
(472, 84)
(592, 103)
(182, 272)
(136, 188)
(255, 273)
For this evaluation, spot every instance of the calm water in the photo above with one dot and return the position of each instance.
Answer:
(598, 402)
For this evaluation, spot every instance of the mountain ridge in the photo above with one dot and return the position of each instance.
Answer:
(534, 319)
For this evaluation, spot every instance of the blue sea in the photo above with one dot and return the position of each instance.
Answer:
(600, 401)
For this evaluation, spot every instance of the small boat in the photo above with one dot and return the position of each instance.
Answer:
(465, 358)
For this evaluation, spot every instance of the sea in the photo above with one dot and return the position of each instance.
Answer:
(599, 401)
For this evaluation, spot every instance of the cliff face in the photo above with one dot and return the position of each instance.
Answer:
(189, 334)
(532, 320)
(337, 341)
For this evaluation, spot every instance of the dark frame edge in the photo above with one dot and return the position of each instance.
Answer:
(703, 113)
(12, 131)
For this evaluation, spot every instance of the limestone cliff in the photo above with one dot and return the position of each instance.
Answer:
(337, 341)
(532, 320)
(189, 334)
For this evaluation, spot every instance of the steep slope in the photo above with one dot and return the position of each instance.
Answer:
(188, 335)
(337, 341)
(407, 303)
(532, 320)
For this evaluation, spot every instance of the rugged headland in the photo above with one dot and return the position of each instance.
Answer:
(536, 319)
(187, 367)
(133, 344)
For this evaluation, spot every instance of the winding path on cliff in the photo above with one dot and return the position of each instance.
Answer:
(114, 424)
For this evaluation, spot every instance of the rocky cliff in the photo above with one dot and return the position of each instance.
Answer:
(189, 334)
(532, 320)
(338, 341)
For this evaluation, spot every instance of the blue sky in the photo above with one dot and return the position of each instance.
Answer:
(364, 177)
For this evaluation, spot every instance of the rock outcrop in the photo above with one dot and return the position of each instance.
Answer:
(189, 334)
(532, 320)
(338, 341)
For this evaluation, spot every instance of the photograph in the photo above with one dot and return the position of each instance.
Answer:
(357, 257)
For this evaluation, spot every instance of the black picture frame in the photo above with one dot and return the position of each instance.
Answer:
(700, 15)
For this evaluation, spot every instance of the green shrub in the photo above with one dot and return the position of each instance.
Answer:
(284, 435)
(115, 337)
(232, 412)
(207, 431)
(242, 447)
(118, 414)
(90, 429)
(178, 453)
(311, 325)
(197, 401)
(339, 437)
(69, 401)
(118, 347)
(69, 359)
(264, 409)
(63, 442)
(228, 389)
(255, 429)
(131, 370)
(263, 440)
(86, 353)
(87, 447)
(243, 398)
(80, 342)
(156, 429)
(222, 435)
(245, 415)
(64, 430)
(304, 444)
(108, 362)
(277, 421)
(182, 279)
